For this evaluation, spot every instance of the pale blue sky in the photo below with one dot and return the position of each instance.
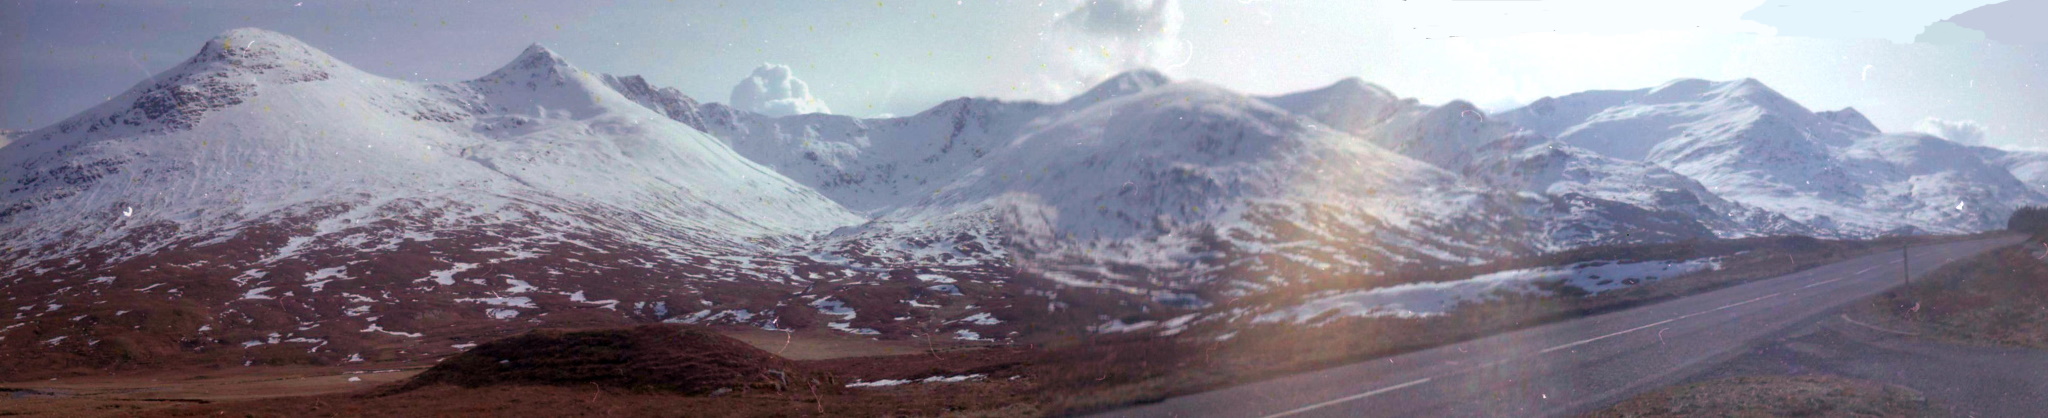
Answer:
(899, 57)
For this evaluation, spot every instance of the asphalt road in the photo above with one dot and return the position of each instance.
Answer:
(1573, 366)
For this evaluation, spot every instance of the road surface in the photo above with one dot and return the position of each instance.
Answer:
(1573, 366)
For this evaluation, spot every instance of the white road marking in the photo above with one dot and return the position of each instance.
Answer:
(1350, 398)
(1667, 321)
(1731, 305)
(1866, 270)
(1825, 282)
(1588, 340)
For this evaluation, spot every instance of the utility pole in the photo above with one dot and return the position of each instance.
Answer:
(1906, 267)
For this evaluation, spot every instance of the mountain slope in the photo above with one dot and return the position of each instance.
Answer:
(1193, 188)
(873, 164)
(264, 192)
(1831, 171)
(2030, 167)
(231, 134)
(1152, 186)
(1458, 137)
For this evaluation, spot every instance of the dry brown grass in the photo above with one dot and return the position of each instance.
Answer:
(129, 394)
(1996, 298)
(659, 370)
(1092, 373)
(1774, 396)
(1112, 371)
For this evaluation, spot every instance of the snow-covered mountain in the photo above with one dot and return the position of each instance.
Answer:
(259, 124)
(1832, 171)
(2030, 167)
(1143, 174)
(261, 200)
(1458, 137)
(1124, 173)
(1181, 179)
(264, 188)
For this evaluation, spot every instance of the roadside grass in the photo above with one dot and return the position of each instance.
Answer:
(1996, 298)
(1112, 371)
(1779, 396)
(1101, 372)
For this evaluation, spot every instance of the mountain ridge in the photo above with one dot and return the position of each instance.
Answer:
(262, 193)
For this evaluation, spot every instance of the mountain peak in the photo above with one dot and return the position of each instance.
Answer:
(1146, 77)
(1748, 87)
(1122, 84)
(1683, 89)
(1349, 105)
(536, 55)
(534, 60)
(1359, 87)
(1848, 116)
(261, 49)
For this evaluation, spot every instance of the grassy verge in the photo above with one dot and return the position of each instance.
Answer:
(1996, 298)
(1108, 370)
(1780, 396)
(1091, 377)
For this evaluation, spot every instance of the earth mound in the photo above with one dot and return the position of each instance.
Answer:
(669, 358)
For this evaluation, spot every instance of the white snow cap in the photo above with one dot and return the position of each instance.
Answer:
(262, 48)
(1120, 85)
(774, 90)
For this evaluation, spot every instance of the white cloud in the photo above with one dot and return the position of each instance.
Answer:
(774, 90)
(1961, 131)
(1101, 37)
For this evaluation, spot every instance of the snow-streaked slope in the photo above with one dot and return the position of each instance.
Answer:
(1185, 181)
(1186, 184)
(1447, 136)
(1632, 124)
(1831, 171)
(870, 165)
(1139, 168)
(873, 165)
(263, 191)
(2030, 167)
(258, 123)
(1349, 105)
(1138, 171)
(1928, 183)
(1557, 169)
(1582, 184)
(1126, 164)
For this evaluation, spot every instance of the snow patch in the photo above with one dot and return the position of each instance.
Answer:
(1437, 298)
